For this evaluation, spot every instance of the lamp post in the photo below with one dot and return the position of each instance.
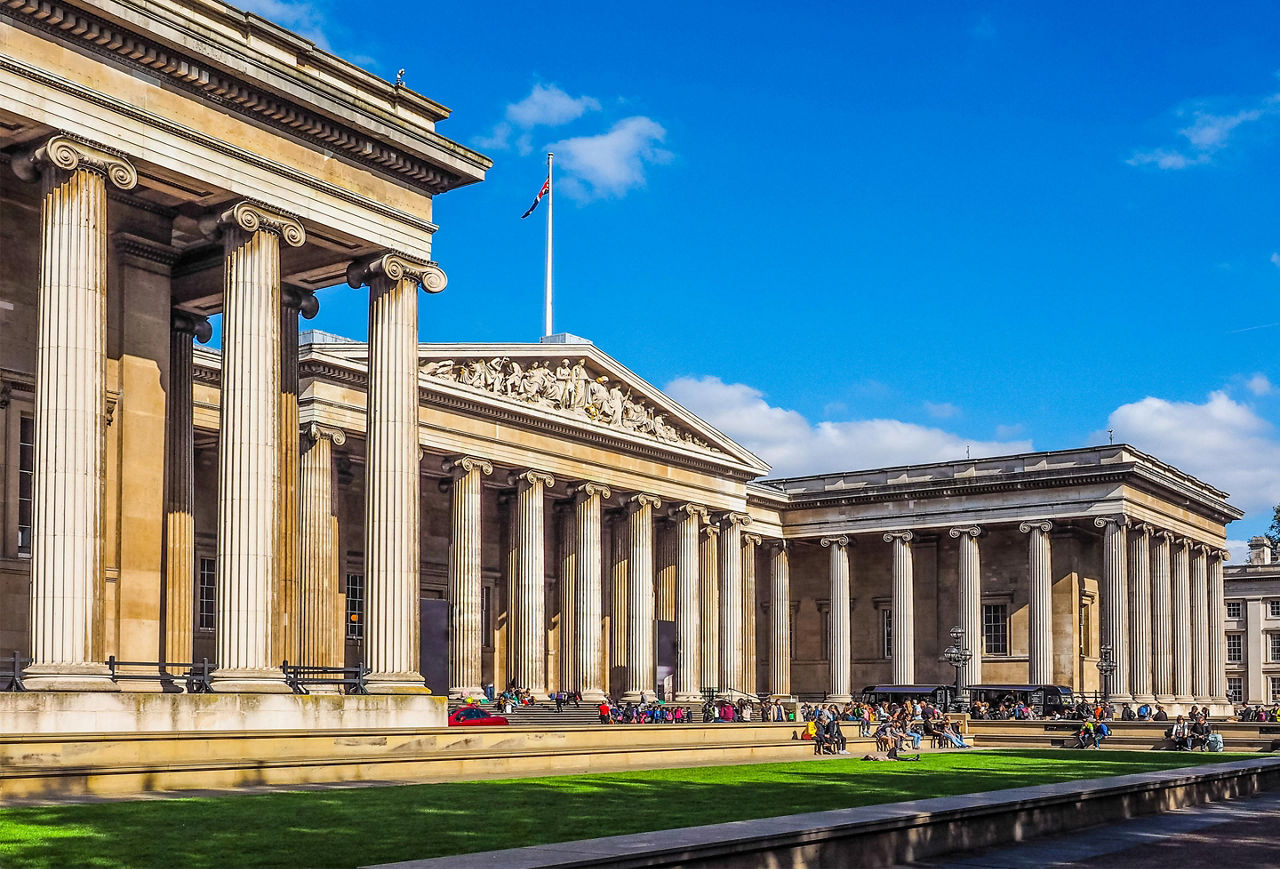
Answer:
(1106, 667)
(957, 656)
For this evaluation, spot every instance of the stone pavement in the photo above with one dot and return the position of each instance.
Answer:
(1235, 833)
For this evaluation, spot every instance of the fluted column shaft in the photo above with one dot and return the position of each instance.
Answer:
(730, 658)
(1200, 639)
(1115, 600)
(249, 449)
(1217, 631)
(839, 640)
(709, 599)
(66, 553)
(749, 542)
(779, 620)
(642, 662)
(1162, 619)
(320, 626)
(904, 609)
(1181, 621)
(1040, 591)
(529, 635)
(567, 580)
(587, 511)
(180, 485)
(970, 599)
(688, 610)
(1140, 650)
(465, 542)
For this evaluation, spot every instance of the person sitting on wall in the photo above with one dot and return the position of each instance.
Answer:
(1086, 734)
(1100, 733)
(1159, 714)
(1180, 733)
(1200, 730)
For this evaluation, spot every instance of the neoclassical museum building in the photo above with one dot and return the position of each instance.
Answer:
(455, 515)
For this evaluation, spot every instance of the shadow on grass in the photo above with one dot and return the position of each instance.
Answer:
(360, 826)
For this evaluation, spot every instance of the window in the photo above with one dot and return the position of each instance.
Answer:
(1274, 641)
(995, 629)
(888, 633)
(205, 595)
(1275, 689)
(1233, 609)
(1274, 606)
(355, 606)
(1235, 648)
(26, 481)
(1235, 689)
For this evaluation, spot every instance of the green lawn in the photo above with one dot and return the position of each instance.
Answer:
(355, 826)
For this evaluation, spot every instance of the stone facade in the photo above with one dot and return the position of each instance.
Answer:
(456, 515)
(1252, 617)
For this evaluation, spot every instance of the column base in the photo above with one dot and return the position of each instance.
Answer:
(595, 698)
(648, 694)
(839, 699)
(687, 697)
(249, 680)
(1139, 699)
(466, 693)
(68, 677)
(1117, 699)
(396, 683)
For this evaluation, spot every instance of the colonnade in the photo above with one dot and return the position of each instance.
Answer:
(261, 493)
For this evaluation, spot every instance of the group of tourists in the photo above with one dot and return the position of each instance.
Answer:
(645, 712)
(896, 727)
(1258, 713)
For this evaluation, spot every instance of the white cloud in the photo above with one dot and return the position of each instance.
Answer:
(610, 164)
(793, 446)
(1009, 432)
(1275, 260)
(1239, 551)
(941, 409)
(1258, 384)
(548, 106)
(1221, 441)
(1206, 135)
(304, 18)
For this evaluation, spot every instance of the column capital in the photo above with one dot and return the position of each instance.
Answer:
(904, 536)
(191, 323)
(1161, 534)
(711, 528)
(584, 491)
(300, 299)
(838, 540)
(1141, 527)
(253, 217)
(460, 466)
(1120, 522)
(970, 530)
(753, 539)
(530, 477)
(731, 517)
(695, 510)
(397, 266)
(1042, 525)
(69, 154)
(643, 499)
(315, 431)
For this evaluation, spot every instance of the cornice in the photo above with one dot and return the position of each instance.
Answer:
(232, 93)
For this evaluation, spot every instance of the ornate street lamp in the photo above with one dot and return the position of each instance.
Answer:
(957, 656)
(1106, 667)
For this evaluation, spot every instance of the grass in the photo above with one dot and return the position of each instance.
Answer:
(359, 826)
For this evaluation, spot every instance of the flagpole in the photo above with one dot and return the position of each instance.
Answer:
(549, 204)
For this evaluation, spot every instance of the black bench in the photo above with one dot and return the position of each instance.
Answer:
(167, 673)
(11, 675)
(351, 679)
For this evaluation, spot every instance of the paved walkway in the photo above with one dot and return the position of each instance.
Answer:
(1233, 833)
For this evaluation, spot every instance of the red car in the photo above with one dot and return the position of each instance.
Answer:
(474, 716)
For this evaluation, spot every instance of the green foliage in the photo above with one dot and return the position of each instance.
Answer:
(1273, 533)
(363, 825)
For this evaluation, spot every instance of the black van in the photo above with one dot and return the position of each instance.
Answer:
(940, 695)
(1041, 698)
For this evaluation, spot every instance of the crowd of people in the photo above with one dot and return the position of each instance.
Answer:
(1259, 713)
(896, 727)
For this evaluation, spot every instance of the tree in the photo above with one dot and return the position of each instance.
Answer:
(1273, 533)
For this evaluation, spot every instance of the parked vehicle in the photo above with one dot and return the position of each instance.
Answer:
(939, 695)
(474, 716)
(1041, 698)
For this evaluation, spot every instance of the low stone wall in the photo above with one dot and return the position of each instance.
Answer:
(130, 712)
(1236, 735)
(895, 833)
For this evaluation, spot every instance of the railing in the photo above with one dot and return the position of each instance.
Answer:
(168, 673)
(17, 664)
(351, 679)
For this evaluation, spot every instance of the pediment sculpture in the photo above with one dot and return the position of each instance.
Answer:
(571, 388)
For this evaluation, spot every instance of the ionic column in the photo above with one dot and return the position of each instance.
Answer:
(464, 589)
(1181, 621)
(287, 595)
(1040, 594)
(780, 620)
(970, 616)
(66, 552)
(664, 568)
(1161, 619)
(688, 521)
(904, 611)
(528, 612)
(1115, 600)
(749, 543)
(321, 621)
(587, 511)
(1140, 614)
(1217, 631)
(840, 651)
(730, 659)
(1200, 639)
(180, 488)
(709, 598)
(392, 482)
(249, 448)
(642, 662)
(567, 580)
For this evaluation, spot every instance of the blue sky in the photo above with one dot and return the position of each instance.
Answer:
(856, 234)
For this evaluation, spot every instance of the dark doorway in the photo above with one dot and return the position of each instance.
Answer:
(666, 657)
(434, 643)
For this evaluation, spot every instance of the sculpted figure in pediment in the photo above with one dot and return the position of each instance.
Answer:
(515, 377)
(581, 381)
(443, 369)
